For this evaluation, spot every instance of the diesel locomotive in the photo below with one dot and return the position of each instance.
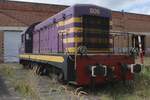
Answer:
(76, 44)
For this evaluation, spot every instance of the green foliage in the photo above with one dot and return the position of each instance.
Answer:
(7, 71)
(138, 89)
(17, 78)
(23, 87)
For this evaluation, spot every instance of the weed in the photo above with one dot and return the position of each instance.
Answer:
(22, 87)
(17, 77)
(7, 71)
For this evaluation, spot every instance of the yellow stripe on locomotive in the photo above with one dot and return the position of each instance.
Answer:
(91, 50)
(69, 21)
(58, 59)
(73, 40)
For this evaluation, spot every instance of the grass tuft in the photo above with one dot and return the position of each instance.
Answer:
(7, 71)
(23, 87)
(17, 79)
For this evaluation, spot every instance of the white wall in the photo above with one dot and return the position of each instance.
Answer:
(12, 42)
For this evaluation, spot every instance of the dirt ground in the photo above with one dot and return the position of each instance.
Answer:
(17, 83)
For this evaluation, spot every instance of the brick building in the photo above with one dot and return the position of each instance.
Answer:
(137, 24)
(17, 16)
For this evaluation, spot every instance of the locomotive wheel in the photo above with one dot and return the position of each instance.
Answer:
(60, 76)
(44, 71)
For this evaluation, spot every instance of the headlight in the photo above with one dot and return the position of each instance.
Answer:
(82, 49)
(135, 68)
(97, 70)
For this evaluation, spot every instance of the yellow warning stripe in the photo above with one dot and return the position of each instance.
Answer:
(73, 49)
(69, 21)
(59, 59)
(71, 30)
(73, 40)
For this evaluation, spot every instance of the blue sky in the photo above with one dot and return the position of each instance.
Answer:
(135, 6)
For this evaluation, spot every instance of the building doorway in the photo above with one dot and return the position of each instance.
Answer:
(135, 42)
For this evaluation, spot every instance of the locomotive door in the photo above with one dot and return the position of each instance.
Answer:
(60, 42)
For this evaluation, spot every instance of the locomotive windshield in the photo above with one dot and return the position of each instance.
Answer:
(96, 33)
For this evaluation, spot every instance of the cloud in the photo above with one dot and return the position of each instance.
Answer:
(141, 6)
(141, 10)
(136, 6)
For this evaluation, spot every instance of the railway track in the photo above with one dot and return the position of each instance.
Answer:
(48, 87)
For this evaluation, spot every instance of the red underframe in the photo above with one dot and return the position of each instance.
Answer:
(83, 77)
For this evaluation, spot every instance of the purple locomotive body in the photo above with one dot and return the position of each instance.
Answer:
(52, 35)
